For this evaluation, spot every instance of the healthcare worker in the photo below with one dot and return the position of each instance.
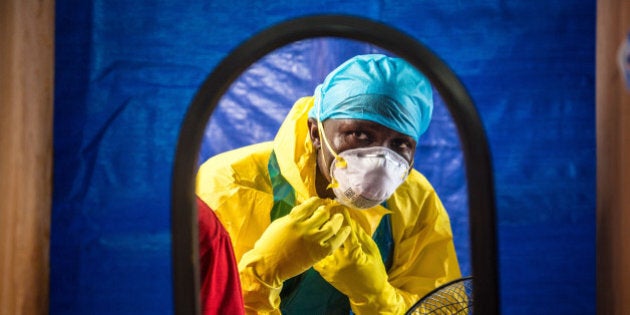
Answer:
(330, 217)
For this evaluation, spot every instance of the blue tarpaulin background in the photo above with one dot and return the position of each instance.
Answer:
(126, 72)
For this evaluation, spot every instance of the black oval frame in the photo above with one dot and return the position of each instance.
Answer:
(185, 265)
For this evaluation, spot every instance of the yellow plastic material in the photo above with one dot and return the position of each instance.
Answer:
(236, 185)
(356, 269)
(293, 243)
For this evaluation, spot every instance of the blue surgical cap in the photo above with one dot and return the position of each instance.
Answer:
(385, 90)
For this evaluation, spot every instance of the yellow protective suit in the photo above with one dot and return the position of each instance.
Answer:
(237, 186)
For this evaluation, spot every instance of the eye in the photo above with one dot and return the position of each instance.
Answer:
(357, 138)
(401, 144)
(359, 135)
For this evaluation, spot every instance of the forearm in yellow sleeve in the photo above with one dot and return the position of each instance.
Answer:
(258, 296)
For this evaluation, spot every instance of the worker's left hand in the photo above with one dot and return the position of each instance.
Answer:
(357, 270)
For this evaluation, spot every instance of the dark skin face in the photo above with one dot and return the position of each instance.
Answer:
(345, 134)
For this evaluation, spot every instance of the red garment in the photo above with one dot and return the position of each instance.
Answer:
(220, 283)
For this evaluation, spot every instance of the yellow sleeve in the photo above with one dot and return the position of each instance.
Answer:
(236, 186)
(424, 252)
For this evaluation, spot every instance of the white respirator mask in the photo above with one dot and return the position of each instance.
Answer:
(365, 177)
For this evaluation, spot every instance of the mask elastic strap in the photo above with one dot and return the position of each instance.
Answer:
(341, 162)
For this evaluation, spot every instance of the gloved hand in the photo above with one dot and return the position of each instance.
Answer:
(357, 270)
(293, 243)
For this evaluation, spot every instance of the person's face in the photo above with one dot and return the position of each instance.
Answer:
(345, 134)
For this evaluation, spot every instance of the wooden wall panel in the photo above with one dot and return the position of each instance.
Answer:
(26, 102)
(613, 162)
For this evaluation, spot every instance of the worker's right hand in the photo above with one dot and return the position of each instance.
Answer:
(293, 243)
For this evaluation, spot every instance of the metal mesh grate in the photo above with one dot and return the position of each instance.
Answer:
(454, 297)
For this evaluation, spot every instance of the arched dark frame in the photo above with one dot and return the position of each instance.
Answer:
(472, 136)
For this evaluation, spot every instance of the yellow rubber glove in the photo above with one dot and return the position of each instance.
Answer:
(288, 247)
(357, 270)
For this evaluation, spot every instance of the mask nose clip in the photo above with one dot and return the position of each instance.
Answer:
(376, 155)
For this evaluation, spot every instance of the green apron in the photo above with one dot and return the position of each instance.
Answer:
(309, 293)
